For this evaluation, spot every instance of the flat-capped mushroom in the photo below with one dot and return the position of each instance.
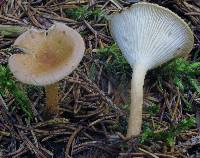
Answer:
(148, 36)
(49, 57)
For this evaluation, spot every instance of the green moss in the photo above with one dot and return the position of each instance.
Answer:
(117, 66)
(167, 135)
(153, 109)
(9, 87)
(84, 13)
(183, 74)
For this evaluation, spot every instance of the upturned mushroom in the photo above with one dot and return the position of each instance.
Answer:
(148, 36)
(48, 57)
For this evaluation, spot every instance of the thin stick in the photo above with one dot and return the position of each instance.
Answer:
(11, 31)
(147, 152)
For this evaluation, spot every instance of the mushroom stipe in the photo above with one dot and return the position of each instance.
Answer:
(52, 99)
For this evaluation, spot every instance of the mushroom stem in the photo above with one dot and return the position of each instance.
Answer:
(135, 116)
(52, 98)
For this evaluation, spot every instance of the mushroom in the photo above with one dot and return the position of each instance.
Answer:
(48, 57)
(148, 36)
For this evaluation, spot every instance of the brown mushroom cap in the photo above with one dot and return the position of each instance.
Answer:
(49, 55)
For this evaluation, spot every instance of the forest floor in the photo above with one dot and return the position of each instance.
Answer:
(94, 99)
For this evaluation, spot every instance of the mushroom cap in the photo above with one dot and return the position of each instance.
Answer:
(150, 34)
(49, 55)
